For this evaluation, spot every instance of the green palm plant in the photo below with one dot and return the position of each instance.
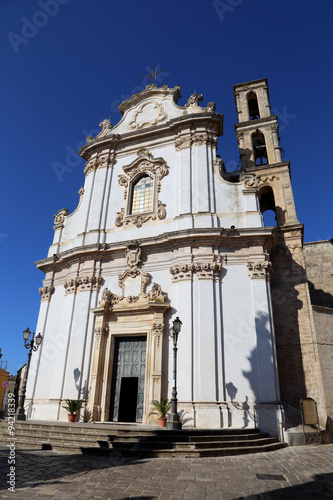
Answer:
(161, 408)
(73, 405)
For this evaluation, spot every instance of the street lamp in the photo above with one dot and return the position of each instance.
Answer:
(174, 422)
(32, 345)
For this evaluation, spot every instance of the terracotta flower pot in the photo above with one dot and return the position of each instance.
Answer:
(72, 417)
(162, 421)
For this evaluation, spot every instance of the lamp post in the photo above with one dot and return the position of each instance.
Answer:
(174, 422)
(32, 345)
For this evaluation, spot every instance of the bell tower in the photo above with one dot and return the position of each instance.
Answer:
(260, 151)
(263, 170)
(257, 130)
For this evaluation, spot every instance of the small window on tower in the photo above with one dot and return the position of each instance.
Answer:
(142, 195)
(253, 106)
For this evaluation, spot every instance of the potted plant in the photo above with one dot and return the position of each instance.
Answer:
(73, 406)
(161, 409)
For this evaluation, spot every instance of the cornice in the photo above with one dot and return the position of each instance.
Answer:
(262, 169)
(209, 119)
(149, 92)
(268, 120)
(212, 236)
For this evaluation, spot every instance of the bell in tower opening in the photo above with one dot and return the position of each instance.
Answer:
(253, 106)
(259, 148)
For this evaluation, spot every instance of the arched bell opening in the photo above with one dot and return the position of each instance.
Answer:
(267, 206)
(252, 103)
(259, 148)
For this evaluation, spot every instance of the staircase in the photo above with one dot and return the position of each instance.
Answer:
(137, 440)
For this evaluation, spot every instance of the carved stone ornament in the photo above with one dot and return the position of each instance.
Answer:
(46, 292)
(158, 328)
(133, 282)
(249, 181)
(204, 269)
(143, 164)
(156, 168)
(259, 270)
(103, 330)
(106, 127)
(104, 160)
(184, 142)
(181, 272)
(193, 104)
(207, 270)
(81, 191)
(194, 99)
(59, 218)
(149, 114)
(83, 284)
(108, 298)
(211, 106)
(133, 257)
(268, 179)
(156, 294)
(139, 219)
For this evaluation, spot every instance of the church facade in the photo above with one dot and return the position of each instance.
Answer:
(163, 230)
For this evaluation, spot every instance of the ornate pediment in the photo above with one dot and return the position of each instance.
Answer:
(149, 114)
(133, 282)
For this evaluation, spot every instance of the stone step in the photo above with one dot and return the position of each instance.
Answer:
(129, 440)
(117, 429)
(109, 431)
(190, 444)
(190, 437)
(68, 435)
(184, 452)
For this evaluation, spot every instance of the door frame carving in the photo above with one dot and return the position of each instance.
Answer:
(144, 316)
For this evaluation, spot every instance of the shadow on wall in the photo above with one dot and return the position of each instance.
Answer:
(77, 381)
(319, 297)
(248, 416)
(288, 273)
(259, 369)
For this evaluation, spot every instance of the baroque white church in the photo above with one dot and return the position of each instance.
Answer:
(163, 230)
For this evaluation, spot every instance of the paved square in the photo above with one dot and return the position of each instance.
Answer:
(304, 472)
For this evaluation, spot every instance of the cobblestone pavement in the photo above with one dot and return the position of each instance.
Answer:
(296, 472)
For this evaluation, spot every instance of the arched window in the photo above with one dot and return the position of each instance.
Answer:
(252, 102)
(267, 206)
(259, 148)
(142, 195)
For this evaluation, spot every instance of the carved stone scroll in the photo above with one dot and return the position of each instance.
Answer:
(59, 218)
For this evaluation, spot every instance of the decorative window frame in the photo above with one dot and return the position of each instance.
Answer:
(156, 169)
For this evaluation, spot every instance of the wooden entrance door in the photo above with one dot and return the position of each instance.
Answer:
(128, 379)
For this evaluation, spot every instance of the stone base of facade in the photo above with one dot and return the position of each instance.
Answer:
(268, 417)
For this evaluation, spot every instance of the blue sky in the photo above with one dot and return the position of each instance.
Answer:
(66, 64)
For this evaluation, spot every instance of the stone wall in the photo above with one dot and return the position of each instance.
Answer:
(319, 269)
(296, 341)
